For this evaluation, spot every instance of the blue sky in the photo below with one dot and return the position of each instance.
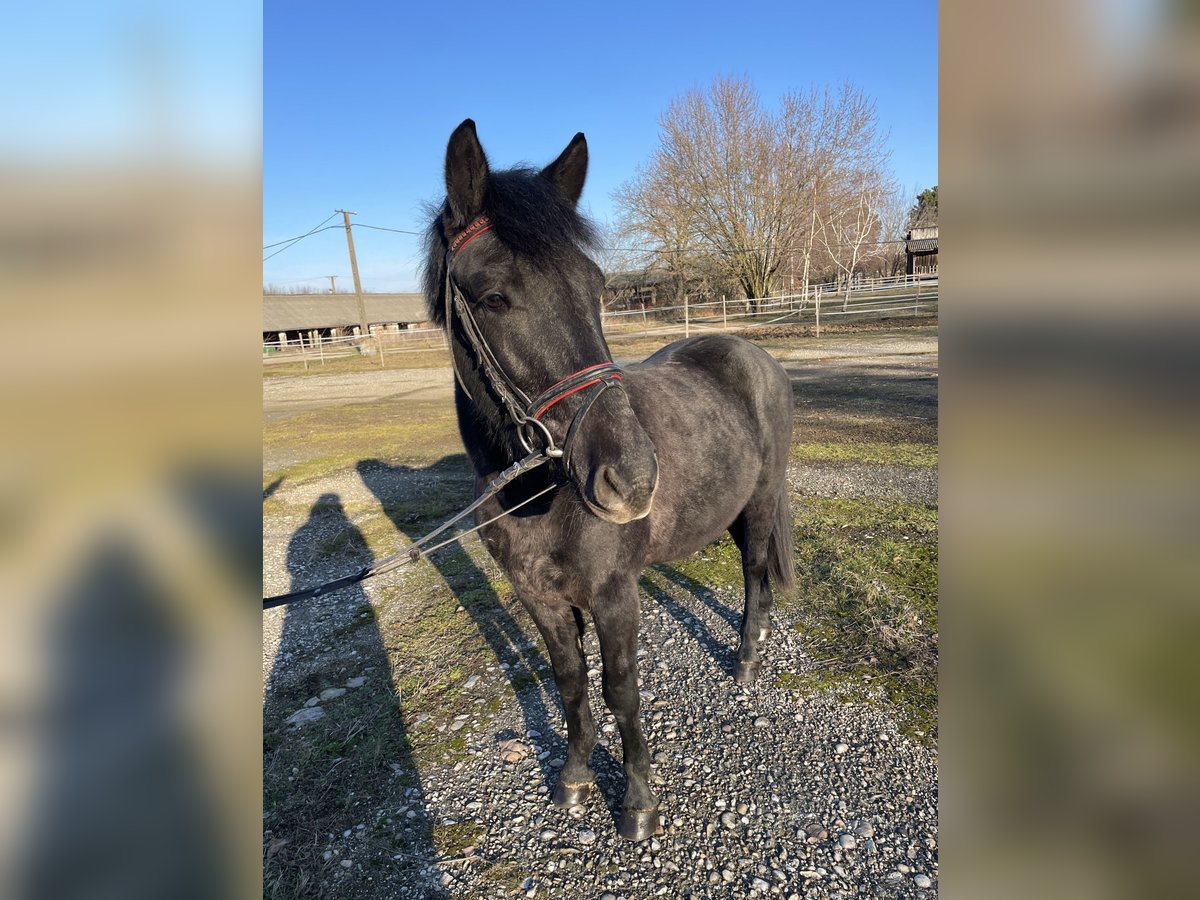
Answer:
(359, 99)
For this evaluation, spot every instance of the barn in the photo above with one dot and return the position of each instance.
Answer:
(921, 251)
(317, 316)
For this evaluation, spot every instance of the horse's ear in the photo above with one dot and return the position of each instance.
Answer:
(567, 173)
(466, 173)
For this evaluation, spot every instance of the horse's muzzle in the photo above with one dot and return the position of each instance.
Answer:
(624, 491)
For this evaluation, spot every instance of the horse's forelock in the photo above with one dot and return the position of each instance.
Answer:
(526, 213)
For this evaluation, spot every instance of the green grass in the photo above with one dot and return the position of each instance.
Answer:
(414, 433)
(895, 454)
(867, 598)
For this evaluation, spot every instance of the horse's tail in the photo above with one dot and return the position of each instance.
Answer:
(780, 564)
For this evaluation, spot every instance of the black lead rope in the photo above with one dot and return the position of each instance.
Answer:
(417, 550)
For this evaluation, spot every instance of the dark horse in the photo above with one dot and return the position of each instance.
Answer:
(684, 446)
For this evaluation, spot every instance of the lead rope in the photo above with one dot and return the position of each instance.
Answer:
(417, 549)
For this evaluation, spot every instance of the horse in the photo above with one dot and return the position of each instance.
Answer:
(651, 462)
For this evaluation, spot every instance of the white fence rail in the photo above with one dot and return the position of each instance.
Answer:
(902, 296)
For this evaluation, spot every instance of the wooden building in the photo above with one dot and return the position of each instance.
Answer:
(921, 251)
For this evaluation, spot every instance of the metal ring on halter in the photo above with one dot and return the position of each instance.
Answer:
(551, 449)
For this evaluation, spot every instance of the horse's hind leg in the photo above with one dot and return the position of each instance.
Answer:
(615, 612)
(752, 534)
(561, 629)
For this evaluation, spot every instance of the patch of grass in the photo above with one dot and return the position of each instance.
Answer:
(867, 600)
(718, 564)
(451, 840)
(415, 434)
(508, 874)
(893, 454)
(431, 357)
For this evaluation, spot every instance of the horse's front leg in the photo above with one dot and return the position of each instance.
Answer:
(560, 629)
(615, 612)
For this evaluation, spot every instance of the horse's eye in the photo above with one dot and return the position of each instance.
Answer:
(494, 301)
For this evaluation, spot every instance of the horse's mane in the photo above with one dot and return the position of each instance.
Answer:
(527, 214)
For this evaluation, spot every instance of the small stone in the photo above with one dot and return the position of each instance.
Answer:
(312, 701)
(729, 820)
(306, 715)
(457, 724)
(608, 895)
(841, 748)
(328, 854)
(332, 693)
(727, 874)
(759, 885)
(865, 829)
(577, 811)
(474, 806)
(558, 762)
(922, 881)
(471, 682)
(893, 877)
(847, 842)
(587, 836)
(356, 682)
(762, 722)
(548, 834)
(743, 808)
(346, 863)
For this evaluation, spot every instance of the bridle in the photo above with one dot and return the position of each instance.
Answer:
(526, 416)
(524, 412)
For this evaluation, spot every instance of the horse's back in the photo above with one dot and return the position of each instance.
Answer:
(732, 366)
(719, 411)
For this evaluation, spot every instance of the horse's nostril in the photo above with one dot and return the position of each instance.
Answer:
(614, 481)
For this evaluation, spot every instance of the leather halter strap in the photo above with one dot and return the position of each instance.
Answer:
(524, 413)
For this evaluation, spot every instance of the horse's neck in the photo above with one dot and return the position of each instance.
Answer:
(487, 432)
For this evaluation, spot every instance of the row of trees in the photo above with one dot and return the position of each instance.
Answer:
(735, 191)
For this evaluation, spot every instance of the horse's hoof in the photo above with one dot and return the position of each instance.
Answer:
(638, 824)
(747, 671)
(571, 794)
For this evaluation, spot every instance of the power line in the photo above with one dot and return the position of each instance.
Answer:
(291, 241)
(298, 237)
(655, 250)
(381, 228)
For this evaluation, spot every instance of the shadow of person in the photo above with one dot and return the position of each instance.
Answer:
(354, 743)
(416, 500)
(121, 807)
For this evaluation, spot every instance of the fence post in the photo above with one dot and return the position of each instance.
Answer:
(686, 324)
(818, 312)
(321, 348)
(303, 352)
(724, 315)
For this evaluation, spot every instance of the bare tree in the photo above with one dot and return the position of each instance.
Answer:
(752, 190)
(850, 228)
(893, 223)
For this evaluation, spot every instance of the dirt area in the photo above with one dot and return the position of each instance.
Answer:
(412, 730)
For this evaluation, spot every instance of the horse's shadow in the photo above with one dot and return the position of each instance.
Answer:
(373, 705)
(415, 500)
(722, 652)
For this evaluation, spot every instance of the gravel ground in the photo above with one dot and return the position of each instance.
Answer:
(765, 790)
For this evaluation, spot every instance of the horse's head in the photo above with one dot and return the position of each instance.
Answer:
(511, 245)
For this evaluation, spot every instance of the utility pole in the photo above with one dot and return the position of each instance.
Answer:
(332, 283)
(362, 309)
